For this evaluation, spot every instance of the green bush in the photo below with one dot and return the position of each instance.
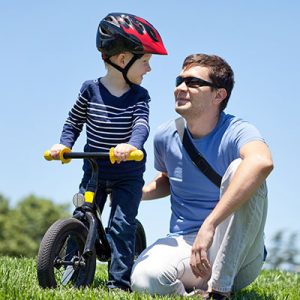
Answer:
(22, 227)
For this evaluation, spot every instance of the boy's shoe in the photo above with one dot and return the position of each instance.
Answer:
(113, 287)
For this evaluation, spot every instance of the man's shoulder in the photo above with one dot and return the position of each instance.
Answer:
(234, 122)
(167, 126)
(230, 118)
(241, 130)
(165, 130)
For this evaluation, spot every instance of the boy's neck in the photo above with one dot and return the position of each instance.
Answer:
(115, 84)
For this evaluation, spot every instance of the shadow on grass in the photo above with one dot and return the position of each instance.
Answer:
(251, 295)
(99, 283)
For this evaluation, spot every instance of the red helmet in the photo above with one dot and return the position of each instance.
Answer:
(119, 32)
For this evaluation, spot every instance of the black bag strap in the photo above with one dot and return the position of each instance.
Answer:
(196, 156)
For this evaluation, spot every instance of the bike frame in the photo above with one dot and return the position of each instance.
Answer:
(95, 223)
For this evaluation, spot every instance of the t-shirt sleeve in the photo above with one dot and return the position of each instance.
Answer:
(77, 118)
(246, 133)
(141, 129)
(159, 152)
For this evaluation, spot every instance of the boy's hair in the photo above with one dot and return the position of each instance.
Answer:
(220, 72)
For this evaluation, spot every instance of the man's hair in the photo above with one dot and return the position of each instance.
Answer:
(220, 72)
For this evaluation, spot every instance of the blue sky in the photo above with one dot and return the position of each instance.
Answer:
(48, 50)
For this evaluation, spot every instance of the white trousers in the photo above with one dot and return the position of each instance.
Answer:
(236, 254)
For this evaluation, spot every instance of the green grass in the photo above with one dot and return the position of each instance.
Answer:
(18, 281)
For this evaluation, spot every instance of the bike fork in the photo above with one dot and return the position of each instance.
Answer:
(101, 243)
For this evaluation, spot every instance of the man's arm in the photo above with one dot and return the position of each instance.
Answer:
(159, 187)
(255, 167)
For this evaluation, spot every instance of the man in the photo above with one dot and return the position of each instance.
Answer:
(216, 242)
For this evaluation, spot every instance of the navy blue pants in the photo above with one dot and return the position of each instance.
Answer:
(126, 197)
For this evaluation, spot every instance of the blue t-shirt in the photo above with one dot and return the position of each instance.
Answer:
(193, 195)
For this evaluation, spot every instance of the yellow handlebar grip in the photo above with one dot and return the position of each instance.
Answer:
(111, 155)
(47, 155)
(136, 155)
(61, 155)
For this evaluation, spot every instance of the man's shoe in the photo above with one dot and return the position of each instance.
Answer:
(197, 292)
(216, 296)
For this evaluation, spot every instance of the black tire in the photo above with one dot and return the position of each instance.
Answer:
(140, 239)
(51, 271)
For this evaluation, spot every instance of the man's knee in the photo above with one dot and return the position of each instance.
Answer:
(156, 280)
(144, 279)
(229, 173)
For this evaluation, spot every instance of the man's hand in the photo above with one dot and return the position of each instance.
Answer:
(199, 259)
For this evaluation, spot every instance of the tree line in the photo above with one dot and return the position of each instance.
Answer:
(22, 228)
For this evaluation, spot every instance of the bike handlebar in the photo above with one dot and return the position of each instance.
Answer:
(65, 155)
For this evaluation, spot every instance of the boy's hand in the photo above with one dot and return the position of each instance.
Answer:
(122, 151)
(55, 150)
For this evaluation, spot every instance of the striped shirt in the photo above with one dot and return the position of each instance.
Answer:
(109, 121)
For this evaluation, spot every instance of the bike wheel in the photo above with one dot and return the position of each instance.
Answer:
(60, 260)
(140, 239)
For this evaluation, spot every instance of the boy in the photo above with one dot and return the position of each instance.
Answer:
(115, 110)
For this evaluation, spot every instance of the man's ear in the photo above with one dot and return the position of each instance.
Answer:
(221, 94)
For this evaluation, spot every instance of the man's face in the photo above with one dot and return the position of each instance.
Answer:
(194, 99)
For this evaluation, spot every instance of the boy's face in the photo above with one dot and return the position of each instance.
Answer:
(140, 67)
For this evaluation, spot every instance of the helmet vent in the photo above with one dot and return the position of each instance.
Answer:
(104, 31)
(127, 20)
(152, 33)
(112, 20)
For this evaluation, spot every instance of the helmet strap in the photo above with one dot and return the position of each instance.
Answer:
(125, 70)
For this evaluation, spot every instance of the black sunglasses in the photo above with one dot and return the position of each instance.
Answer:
(193, 82)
